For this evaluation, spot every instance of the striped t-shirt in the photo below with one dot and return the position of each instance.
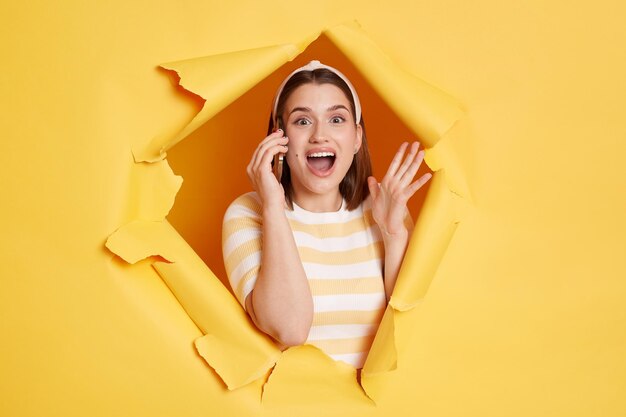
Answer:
(342, 253)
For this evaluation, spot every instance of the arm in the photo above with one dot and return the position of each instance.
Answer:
(389, 209)
(280, 304)
(395, 248)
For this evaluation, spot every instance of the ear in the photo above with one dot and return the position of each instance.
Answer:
(359, 138)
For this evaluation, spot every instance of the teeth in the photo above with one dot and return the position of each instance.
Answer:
(321, 154)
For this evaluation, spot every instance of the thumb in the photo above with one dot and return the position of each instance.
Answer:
(372, 184)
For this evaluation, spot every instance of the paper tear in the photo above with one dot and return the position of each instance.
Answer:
(223, 321)
(383, 348)
(446, 155)
(140, 239)
(153, 191)
(425, 109)
(269, 375)
(383, 355)
(248, 367)
(432, 234)
(220, 317)
(327, 381)
(219, 80)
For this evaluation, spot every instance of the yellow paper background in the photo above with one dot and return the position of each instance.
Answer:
(525, 314)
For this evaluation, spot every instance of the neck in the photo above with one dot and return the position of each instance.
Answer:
(318, 203)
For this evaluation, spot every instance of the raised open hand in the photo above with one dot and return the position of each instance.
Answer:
(389, 198)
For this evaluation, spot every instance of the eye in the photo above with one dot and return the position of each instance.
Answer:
(302, 122)
(337, 119)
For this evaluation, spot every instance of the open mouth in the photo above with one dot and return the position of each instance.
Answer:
(321, 163)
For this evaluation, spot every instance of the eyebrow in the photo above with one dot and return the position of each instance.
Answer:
(331, 108)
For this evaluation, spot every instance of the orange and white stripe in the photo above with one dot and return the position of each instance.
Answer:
(342, 255)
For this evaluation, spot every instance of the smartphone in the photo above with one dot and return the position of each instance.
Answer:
(277, 164)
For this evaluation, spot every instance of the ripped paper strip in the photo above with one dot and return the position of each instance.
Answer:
(326, 379)
(232, 346)
(219, 80)
(231, 343)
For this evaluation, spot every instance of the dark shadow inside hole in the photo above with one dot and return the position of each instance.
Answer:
(213, 159)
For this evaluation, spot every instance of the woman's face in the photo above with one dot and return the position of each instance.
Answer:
(323, 138)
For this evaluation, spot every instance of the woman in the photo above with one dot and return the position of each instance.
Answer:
(314, 258)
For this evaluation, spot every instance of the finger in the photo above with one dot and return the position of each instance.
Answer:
(249, 167)
(408, 160)
(395, 163)
(271, 144)
(266, 161)
(408, 176)
(252, 163)
(272, 136)
(412, 189)
(373, 186)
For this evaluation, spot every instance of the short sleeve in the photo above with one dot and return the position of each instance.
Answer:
(241, 244)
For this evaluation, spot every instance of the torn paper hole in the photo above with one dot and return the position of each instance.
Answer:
(223, 81)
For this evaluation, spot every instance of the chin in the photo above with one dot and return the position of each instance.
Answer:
(322, 189)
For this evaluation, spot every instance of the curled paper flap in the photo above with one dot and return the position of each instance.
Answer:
(304, 375)
(251, 364)
(383, 350)
(426, 110)
(231, 345)
(193, 284)
(445, 154)
(139, 239)
(219, 80)
(237, 351)
(432, 234)
(383, 355)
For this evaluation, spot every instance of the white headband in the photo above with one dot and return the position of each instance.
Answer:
(313, 65)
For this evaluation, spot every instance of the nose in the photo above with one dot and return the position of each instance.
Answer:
(319, 134)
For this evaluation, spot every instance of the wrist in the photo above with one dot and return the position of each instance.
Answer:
(273, 209)
(398, 236)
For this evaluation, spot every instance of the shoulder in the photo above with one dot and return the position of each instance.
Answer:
(243, 214)
(246, 205)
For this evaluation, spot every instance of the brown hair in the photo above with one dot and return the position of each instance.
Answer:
(353, 187)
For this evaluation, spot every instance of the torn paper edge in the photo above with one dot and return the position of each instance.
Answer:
(343, 37)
